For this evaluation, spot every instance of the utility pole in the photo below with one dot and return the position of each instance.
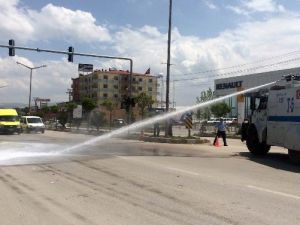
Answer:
(70, 93)
(167, 129)
(30, 83)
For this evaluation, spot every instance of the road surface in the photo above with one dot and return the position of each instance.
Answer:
(131, 182)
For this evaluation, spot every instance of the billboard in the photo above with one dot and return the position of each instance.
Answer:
(77, 112)
(85, 67)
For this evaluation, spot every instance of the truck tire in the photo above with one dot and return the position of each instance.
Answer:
(253, 144)
(294, 156)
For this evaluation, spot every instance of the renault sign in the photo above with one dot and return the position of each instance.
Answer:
(229, 85)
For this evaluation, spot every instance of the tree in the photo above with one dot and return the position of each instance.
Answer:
(97, 118)
(205, 96)
(143, 100)
(88, 105)
(220, 109)
(53, 109)
(109, 106)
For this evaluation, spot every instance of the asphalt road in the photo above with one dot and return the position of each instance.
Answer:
(42, 181)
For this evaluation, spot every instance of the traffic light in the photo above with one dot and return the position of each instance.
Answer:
(70, 55)
(11, 49)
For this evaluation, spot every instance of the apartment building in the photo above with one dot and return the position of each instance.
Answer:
(112, 85)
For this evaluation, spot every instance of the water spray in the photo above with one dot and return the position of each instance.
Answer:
(160, 118)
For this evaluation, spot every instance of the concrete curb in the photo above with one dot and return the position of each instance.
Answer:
(174, 140)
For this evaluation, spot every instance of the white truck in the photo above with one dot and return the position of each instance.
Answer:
(275, 119)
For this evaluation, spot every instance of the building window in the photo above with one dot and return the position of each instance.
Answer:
(150, 80)
(125, 78)
(105, 77)
(116, 78)
(149, 88)
(133, 79)
(116, 95)
(140, 79)
(105, 86)
(105, 95)
(116, 87)
(140, 88)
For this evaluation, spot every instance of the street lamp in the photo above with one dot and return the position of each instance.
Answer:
(31, 68)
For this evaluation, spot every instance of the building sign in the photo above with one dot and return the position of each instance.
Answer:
(85, 67)
(42, 99)
(77, 112)
(229, 85)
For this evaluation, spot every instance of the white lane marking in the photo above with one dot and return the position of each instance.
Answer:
(164, 167)
(274, 192)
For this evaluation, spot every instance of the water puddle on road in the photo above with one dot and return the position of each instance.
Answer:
(13, 153)
(24, 153)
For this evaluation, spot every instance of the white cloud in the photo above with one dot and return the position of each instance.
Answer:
(14, 21)
(210, 4)
(51, 22)
(251, 41)
(253, 6)
(51, 81)
(67, 24)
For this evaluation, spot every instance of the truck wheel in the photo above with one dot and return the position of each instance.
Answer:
(294, 156)
(253, 144)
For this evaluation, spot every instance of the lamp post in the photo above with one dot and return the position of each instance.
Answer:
(31, 69)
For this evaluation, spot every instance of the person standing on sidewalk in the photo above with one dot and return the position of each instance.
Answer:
(221, 131)
(156, 129)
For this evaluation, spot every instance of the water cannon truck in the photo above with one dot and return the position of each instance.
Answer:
(275, 118)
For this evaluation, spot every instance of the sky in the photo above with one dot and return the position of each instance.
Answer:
(210, 39)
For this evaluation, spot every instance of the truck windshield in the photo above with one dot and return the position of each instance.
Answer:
(34, 120)
(9, 118)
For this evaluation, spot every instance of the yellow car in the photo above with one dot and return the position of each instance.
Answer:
(9, 121)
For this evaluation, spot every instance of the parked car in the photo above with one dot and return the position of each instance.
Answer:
(55, 125)
(119, 123)
(32, 123)
(213, 121)
(230, 120)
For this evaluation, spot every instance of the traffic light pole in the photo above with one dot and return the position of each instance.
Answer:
(80, 54)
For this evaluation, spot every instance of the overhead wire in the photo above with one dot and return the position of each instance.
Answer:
(239, 65)
(239, 71)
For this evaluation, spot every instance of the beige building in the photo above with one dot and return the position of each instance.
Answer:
(113, 85)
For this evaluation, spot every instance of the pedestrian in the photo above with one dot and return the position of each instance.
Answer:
(221, 131)
(156, 129)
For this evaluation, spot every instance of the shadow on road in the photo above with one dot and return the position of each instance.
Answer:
(279, 161)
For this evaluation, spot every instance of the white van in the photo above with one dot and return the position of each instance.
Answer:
(32, 123)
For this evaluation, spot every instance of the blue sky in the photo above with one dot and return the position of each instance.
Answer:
(207, 34)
